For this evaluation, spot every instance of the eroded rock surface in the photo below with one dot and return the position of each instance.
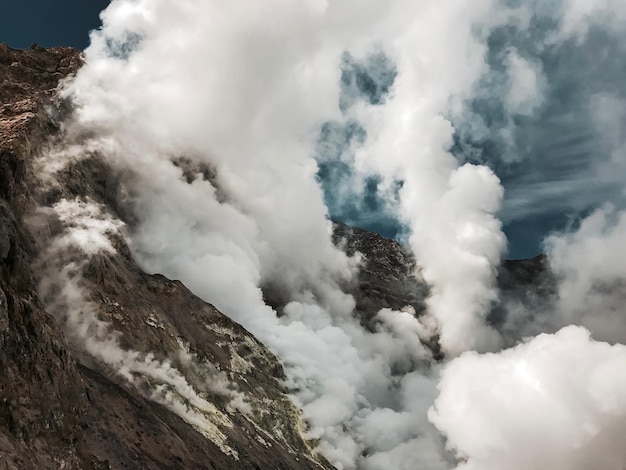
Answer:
(388, 276)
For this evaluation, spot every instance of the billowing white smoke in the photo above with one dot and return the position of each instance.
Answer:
(243, 88)
(209, 82)
(558, 402)
(450, 210)
(180, 76)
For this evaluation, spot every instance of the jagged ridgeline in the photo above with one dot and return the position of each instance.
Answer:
(105, 366)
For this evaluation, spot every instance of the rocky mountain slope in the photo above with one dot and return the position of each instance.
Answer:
(60, 407)
(105, 366)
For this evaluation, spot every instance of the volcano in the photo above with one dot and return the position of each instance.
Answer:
(107, 366)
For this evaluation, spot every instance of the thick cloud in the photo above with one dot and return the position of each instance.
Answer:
(555, 402)
(212, 84)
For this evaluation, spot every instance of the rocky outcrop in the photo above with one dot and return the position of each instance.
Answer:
(388, 276)
(42, 396)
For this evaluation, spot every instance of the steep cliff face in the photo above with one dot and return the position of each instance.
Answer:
(102, 365)
(42, 394)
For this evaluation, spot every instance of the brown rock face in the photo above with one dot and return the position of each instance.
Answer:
(28, 83)
(41, 392)
(160, 379)
(388, 277)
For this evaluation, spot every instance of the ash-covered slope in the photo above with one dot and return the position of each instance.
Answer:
(103, 366)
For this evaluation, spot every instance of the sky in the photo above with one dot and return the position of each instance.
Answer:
(49, 23)
(546, 153)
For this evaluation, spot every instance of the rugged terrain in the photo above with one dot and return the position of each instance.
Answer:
(196, 390)
(62, 408)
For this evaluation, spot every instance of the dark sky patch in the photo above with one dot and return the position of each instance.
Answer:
(49, 22)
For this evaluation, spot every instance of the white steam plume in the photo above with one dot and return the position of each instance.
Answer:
(555, 402)
(212, 83)
(240, 90)
(450, 209)
(592, 275)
